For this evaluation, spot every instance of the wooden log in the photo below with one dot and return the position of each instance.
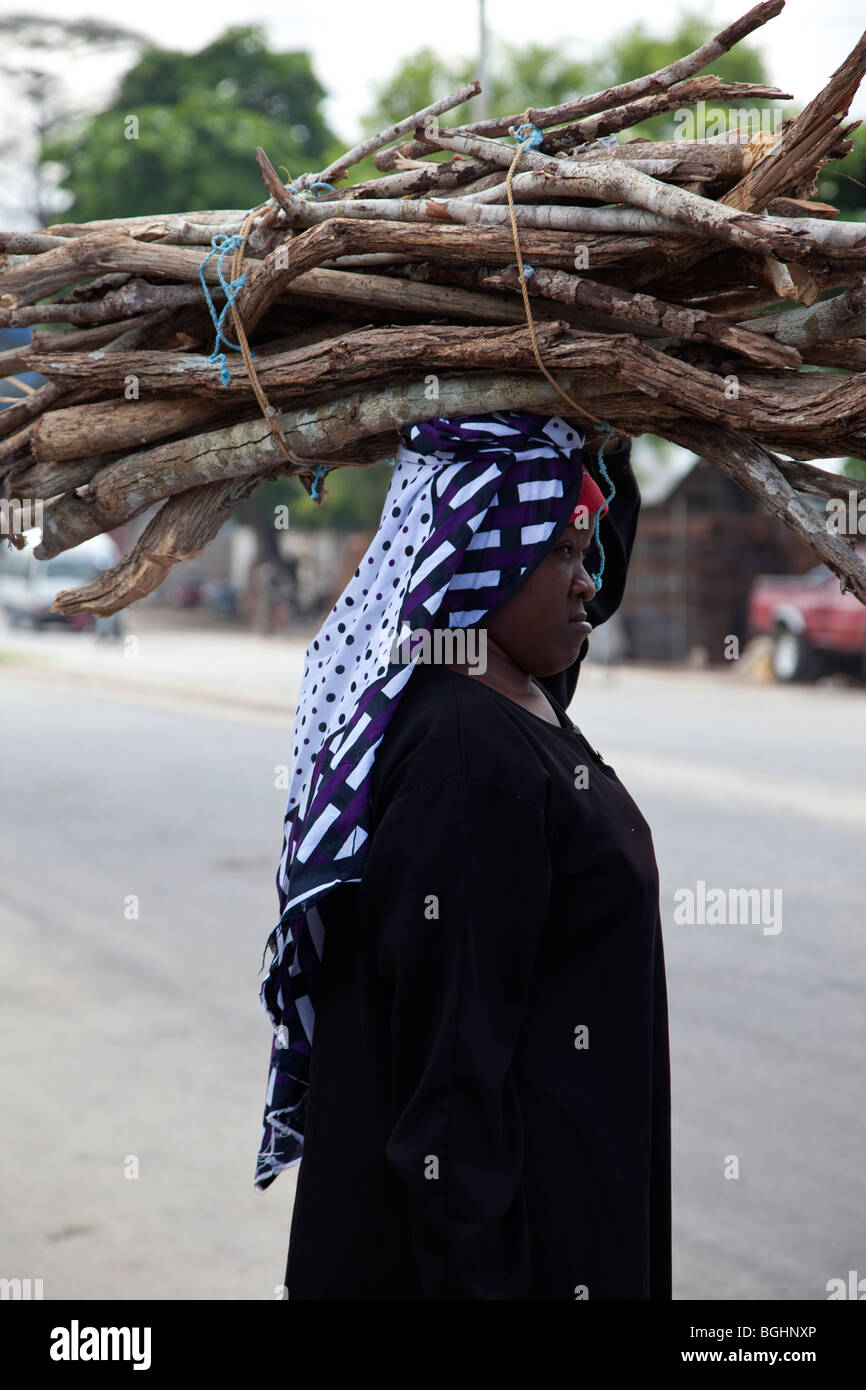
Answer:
(149, 226)
(26, 244)
(758, 473)
(610, 236)
(80, 339)
(686, 168)
(797, 152)
(827, 322)
(817, 481)
(636, 311)
(82, 430)
(683, 94)
(410, 182)
(787, 411)
(610, 181)
(42, 480)
(849, 355)
(297, 373)
(180, 530)
(12, 361)
(44, 275)
(800, 207)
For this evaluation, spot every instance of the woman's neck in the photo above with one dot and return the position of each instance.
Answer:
(499, 670)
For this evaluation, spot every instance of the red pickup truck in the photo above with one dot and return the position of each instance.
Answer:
(814, 626)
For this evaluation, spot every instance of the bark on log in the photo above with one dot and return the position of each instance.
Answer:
(797, 154)
(799, 149)
(643, 311)
(833, 319)
(324, 365)
(82, 430)
(683, 94)
(180, 530)
(799, 414)
(612, 182)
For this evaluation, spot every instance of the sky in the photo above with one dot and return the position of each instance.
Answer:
(356, 45)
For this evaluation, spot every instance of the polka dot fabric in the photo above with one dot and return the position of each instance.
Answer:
(473, 506)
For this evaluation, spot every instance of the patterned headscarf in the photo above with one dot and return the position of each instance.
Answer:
(473, 506)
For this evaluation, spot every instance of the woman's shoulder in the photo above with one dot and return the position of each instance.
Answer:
(449, 725)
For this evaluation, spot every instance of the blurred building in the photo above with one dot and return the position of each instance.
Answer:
(700, 544)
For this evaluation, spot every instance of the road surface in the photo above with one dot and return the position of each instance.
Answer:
(141, 836)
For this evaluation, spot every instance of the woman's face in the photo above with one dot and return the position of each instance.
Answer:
(536, 627)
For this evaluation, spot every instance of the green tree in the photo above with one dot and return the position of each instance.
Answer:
(638, 51)
(531, 76)
(182, 130)
(843, 183)
(353, 498)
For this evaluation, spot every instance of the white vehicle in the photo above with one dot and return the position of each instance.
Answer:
(29, 586)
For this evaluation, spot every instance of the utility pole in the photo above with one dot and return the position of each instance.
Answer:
(481, 103)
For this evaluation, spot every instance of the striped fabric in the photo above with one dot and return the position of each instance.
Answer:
(472, 508)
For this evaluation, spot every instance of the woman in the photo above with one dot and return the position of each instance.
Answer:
(469, 905)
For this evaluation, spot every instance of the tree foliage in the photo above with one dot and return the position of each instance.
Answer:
(196, 120)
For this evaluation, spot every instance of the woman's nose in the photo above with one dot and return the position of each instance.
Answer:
(581, 582)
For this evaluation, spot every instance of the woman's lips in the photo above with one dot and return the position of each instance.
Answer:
(581, 624)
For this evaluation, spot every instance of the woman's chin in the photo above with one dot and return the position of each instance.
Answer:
(560, 660)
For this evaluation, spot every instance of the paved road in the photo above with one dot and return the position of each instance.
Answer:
(141, 1039)
(757, 786)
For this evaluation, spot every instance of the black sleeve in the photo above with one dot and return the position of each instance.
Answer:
(454, 893)
(617, 532)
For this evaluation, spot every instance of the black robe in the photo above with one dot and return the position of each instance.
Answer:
(488, 1114)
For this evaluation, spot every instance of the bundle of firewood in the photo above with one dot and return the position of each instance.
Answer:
(668, 287)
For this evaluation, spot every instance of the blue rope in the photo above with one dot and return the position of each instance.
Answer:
(596, 578)
(527, 134)
(302, 192)
(319, 470)
(221, 246)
